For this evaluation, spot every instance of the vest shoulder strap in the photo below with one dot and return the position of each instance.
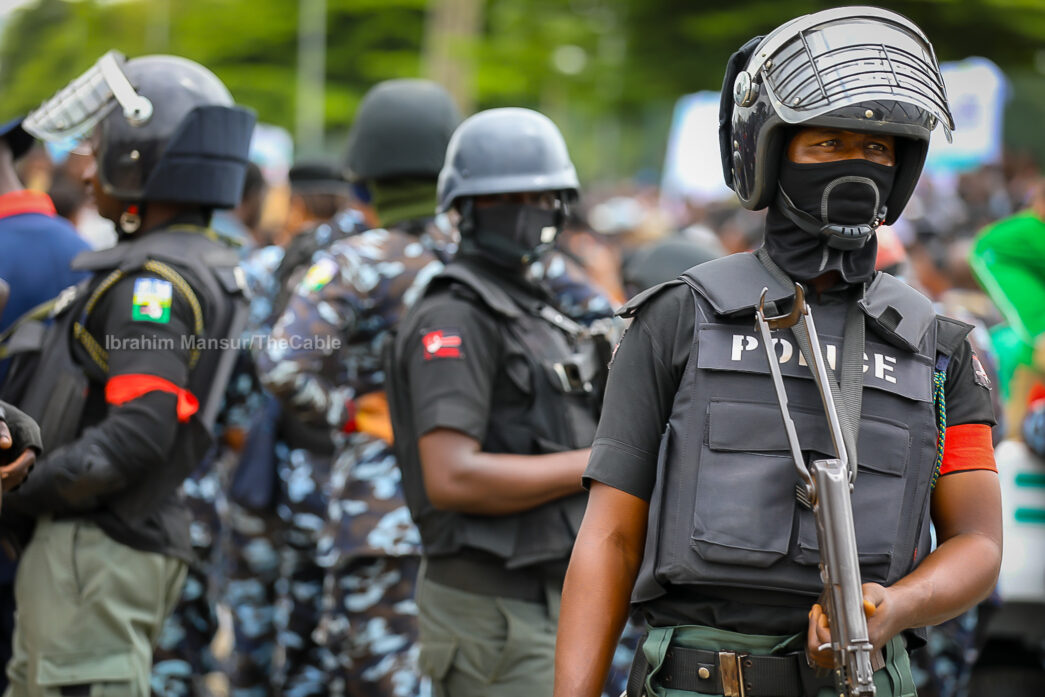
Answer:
(631, 308)
(177, 246)
(897, 311)
(493, 296)
(950, 335)
(733, 284)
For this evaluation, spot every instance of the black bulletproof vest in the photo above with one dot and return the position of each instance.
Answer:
(724, 511)
(52, 370)
(557, 364)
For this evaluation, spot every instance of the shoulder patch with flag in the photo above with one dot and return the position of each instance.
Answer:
(441, 343)
(152, 300)
(319, 274)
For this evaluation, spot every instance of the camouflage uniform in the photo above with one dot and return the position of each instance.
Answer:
(265, 562)
(365, 547)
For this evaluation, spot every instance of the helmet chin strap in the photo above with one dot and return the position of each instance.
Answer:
(844, 237)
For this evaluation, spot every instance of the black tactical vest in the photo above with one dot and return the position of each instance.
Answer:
(54, 366)
(724, 512)
(562, 371)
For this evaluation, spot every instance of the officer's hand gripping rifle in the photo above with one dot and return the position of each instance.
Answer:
(825, 487)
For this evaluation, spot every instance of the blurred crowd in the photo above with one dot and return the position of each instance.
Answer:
(627, 237)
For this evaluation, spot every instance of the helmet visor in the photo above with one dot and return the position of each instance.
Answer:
(80, 105)
(838, 58)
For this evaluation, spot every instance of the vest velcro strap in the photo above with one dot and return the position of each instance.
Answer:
(740, 674)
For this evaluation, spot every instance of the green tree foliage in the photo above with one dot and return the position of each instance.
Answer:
(608, 71)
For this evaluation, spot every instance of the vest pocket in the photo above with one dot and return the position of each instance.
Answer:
(745, 499)
(877, 500)
(745, 508)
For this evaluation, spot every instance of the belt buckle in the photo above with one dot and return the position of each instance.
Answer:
(731, 673)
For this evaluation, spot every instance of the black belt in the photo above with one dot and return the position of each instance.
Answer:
(730, 673)
(486, 575)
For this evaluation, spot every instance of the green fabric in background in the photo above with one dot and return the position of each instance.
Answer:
(1008, 259)
(398, 200)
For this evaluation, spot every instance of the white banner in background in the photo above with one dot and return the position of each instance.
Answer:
(692, 165)
(977, 90)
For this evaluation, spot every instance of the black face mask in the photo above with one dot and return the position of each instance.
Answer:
(848, 195)
(511, 234)
(845, 192)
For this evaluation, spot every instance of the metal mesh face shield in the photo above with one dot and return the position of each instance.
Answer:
(78, 107)
(859, 69)
(838, 58)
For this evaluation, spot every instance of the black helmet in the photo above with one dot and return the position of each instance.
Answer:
(401, 130)
(853, 68)
(167, 129)
(507, 150)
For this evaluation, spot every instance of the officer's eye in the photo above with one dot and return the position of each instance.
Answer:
(880, 147)
(829, 143)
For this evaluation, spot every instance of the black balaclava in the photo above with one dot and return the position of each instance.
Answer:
(844, 192)
(511, 235)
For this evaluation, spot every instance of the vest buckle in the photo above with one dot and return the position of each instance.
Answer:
(570, 377)
(731, 673)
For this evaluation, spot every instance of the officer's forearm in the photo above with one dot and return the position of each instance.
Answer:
(958, 575)
(602, 572)
(964, 568)
(72, 480)
(460, 477)
(129, 444)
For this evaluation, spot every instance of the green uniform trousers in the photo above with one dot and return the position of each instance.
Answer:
(90, 611)
(484, 646)
(893, 680)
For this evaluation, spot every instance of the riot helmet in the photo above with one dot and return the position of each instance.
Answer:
(163, 128)
(509, 151)
(860, 69)
(401, 131)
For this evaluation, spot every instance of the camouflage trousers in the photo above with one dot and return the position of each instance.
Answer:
(943, 667)
(300, 662)
(370, 628)
(182, 656)
(620, 666)
(252, 569)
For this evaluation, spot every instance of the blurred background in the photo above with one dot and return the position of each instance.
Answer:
(634, 86)
(609, 72)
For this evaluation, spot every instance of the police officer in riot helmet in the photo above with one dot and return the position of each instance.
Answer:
(693, 514)
(126, 380)
(494, 402)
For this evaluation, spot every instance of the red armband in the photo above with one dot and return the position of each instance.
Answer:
(124, 388)
(968, 447)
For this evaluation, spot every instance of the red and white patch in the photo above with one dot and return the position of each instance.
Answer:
(979, 374)
(441, 343)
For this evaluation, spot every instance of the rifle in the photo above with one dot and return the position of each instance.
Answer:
(825, 487)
